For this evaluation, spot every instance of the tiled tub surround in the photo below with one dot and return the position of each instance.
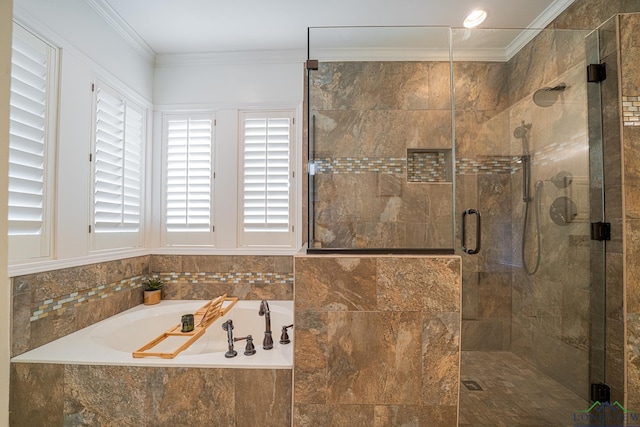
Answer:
(205, 277)
(377, 340)
(72, 395)
(113, 340)
(52, 304)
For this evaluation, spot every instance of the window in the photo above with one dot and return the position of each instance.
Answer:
(266, 179)
(188, 189)
(31, 144)
(118, 170)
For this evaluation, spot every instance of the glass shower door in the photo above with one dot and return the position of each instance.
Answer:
(532, 294)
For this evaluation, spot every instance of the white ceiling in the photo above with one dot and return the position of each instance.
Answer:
(210, 26)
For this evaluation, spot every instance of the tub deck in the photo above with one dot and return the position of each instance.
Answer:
(94, 345)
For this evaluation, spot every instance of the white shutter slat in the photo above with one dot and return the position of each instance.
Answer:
(266, 174)
(118, 163)
(188, 177)
(27, 135)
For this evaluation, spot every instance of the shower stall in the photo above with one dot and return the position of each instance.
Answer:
(483, 143)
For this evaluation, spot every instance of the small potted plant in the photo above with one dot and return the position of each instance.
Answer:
(152, 291)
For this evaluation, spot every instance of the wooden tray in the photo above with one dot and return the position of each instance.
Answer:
(203, 318)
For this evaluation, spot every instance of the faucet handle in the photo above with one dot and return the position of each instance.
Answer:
(249, 349)
(284, 338)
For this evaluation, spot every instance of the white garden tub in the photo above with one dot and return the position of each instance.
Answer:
(113, 340)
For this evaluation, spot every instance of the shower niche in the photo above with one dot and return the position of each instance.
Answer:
(429, 166)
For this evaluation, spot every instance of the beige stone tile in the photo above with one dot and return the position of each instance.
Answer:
(333, 415)
(373, 357)
(178, 396)
(330, 284)
(264, 395)
(421, 283)
(37, 396)
(166, 263)
(415, 415)
(629, 27)
(89, 396)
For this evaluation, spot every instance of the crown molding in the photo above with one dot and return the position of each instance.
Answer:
(116, 22)
(232, 58)
(545, 18)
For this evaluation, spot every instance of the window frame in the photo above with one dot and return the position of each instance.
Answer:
(187, 238)
(124, 238)
(37, 247)
(267, 238)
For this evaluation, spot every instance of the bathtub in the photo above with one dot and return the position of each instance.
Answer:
(113, 340)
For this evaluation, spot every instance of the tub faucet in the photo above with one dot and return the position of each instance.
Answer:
(267, 343)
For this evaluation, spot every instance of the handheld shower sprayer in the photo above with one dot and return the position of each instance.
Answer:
(522, 132)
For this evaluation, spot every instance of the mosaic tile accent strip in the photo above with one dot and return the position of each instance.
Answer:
(427, 166)
(336, 165)
(631, 110)
(235, 278)
(44, 308)
(489, 165)
(434, 169)
(561, 150)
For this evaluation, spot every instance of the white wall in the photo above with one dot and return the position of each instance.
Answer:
(227, 84)
(5, 284)
(239, 80)
(224, 83)
(89, 48)
(75, 24)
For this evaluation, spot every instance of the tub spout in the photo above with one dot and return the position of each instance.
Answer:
(267, 343)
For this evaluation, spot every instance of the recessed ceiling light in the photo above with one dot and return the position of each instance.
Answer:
(475, 18)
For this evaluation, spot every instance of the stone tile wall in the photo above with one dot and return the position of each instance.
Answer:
(206, 277)
(377, 340)
(365, 116)
(482, 141)
(629, 51)
(71, 395)
(551, 309)
(52, 304)
(612, 314)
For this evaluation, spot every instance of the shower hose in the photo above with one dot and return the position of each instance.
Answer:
(531, 270)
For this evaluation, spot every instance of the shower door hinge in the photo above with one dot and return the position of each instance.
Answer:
(600, 393)
(596, 73)
(312, 64)
(600, 231)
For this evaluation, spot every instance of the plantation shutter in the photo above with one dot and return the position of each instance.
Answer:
(119, 137)
(32, 71)
(109, 157)
(132, 191)
(266, 192)
(189, 173)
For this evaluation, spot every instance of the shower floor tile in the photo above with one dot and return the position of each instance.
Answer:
(514, 393)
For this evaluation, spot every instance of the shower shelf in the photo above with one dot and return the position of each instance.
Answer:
(428, 165)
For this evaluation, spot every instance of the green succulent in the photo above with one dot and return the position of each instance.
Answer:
(153, 284)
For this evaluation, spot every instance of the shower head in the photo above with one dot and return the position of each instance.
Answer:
(522, 131)
(547, 96)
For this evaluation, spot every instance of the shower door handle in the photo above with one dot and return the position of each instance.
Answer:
(471, 251)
